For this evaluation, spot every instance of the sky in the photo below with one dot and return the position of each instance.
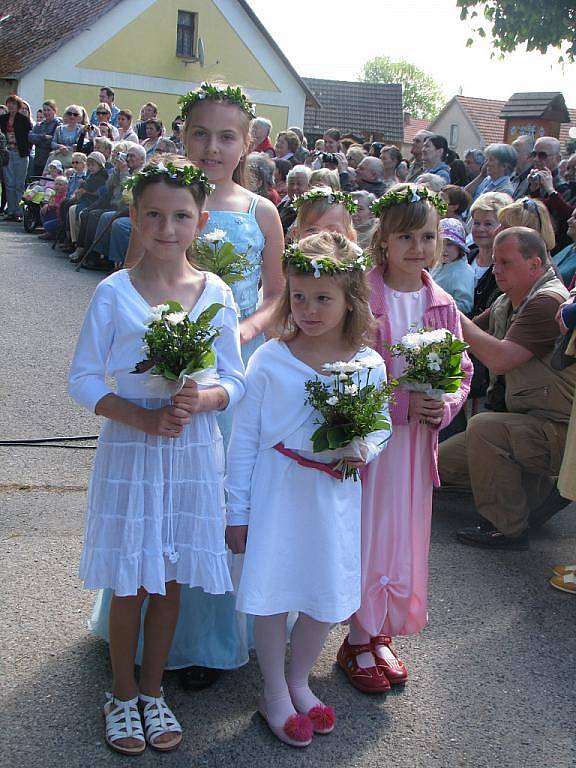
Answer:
(334, 39)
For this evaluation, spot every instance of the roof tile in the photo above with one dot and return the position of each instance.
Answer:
(355, 107)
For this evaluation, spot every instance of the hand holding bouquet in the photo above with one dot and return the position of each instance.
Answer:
(213, 253)
(433, 361)
(179, 349)
(350, 411)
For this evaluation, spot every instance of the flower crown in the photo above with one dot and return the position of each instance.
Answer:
(333, 197)
(293, 257)
(210, 92)
(187, 176)
(412, 194)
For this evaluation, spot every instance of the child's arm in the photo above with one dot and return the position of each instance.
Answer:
(454, 402)
(230, 368)
(87, 377)
(272, 279)
(377, 440)
(242, 454)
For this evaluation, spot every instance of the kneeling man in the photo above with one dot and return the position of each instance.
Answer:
(510, 456)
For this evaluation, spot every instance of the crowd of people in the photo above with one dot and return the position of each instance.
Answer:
(482, 247)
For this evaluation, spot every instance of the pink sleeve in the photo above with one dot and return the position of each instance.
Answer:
(399, 408)
(455, 401)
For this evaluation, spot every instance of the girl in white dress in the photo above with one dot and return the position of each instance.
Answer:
(155, 515)
(297, 522)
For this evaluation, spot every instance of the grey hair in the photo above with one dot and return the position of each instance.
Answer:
(103, 141)
(138, 149)
(166, 145)
(362, 194)
(299, 170)
(477, 155)
(431, 180)
(530, 243)
(505, 154)
(262, 122)
(528, 141)
(424, 134)
(262, 167)
(554, 143)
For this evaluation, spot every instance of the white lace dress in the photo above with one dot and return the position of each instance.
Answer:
(155, 505)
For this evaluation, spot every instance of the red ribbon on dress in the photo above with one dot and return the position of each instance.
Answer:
(327, 468)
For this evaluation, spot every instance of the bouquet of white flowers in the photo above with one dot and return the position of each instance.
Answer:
(433, 361)
(213, 253)
(350, 411)
(179, 348)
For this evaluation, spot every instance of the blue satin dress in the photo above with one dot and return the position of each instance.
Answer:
(210, 632)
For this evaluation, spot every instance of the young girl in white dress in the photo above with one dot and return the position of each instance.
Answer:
(299, 524)
(155, 505)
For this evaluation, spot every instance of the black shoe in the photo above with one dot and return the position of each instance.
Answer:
(488, 537)
(196, 678)
(554, 503)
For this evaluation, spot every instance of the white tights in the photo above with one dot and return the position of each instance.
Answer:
(288, 692)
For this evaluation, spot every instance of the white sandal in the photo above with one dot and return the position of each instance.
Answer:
(158, 720)
(123, 722)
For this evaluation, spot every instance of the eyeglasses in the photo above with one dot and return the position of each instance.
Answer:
(102, 112)
(72, 114)
(540, 155)
(76, 162)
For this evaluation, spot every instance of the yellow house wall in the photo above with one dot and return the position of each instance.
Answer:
(147, 46)
(87, 96)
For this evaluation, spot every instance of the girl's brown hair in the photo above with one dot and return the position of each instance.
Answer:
(240, 174)
(196, 190)
(400, 217)
(359, 322)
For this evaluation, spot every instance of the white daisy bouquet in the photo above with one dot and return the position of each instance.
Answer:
(214, 253)
(433, 361)
(350, 411)
(178, 348)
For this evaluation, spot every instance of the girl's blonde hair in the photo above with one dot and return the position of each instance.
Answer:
(490, 202)
(359, 321)
(401, 217)
(530, 213)
(309, 211)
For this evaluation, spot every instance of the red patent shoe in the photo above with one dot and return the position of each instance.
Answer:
(392, 666)
(365, 679)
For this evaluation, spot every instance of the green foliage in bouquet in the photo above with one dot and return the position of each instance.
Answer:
(177, 345)
(432, 357)
(219, 256)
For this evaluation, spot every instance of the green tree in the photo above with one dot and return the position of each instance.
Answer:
(422, 96)
(538, 23)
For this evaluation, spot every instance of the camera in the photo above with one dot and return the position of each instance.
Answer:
(534, 175)
(329, 157)
(122, 155)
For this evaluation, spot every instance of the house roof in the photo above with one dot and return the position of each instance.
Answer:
(31, 30)
(536, 105)
(355, 107)
(485, 116)
(411, 127)
(24, 44)
(565, 127)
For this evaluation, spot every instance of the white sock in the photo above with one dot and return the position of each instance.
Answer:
(270, 642)
(358, 636)
(306, 642)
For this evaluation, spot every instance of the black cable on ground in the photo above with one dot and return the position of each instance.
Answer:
(51, 442)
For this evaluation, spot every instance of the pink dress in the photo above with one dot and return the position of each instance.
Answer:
(397, 486)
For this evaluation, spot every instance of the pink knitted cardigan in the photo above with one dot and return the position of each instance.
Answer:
(441, 313)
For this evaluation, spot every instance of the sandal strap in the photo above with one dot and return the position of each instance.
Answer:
(158, 717)
(123, 720)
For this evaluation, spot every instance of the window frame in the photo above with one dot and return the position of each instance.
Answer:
(194, 36)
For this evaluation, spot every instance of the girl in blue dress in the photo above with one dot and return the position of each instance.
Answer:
(210, 634)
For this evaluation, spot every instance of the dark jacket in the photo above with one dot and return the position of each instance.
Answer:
(37, 136)
(92, 186)
(22, 127)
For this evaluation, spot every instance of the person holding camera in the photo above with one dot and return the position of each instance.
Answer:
(546, 183)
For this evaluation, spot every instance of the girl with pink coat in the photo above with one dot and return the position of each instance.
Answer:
(397, 486)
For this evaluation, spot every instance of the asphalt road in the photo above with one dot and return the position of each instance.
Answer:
(492, 678)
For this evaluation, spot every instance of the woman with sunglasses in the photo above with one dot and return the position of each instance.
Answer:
(67, 135)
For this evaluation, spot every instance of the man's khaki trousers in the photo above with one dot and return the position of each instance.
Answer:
(509, 461)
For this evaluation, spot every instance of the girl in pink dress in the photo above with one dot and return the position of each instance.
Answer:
(397, 486)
